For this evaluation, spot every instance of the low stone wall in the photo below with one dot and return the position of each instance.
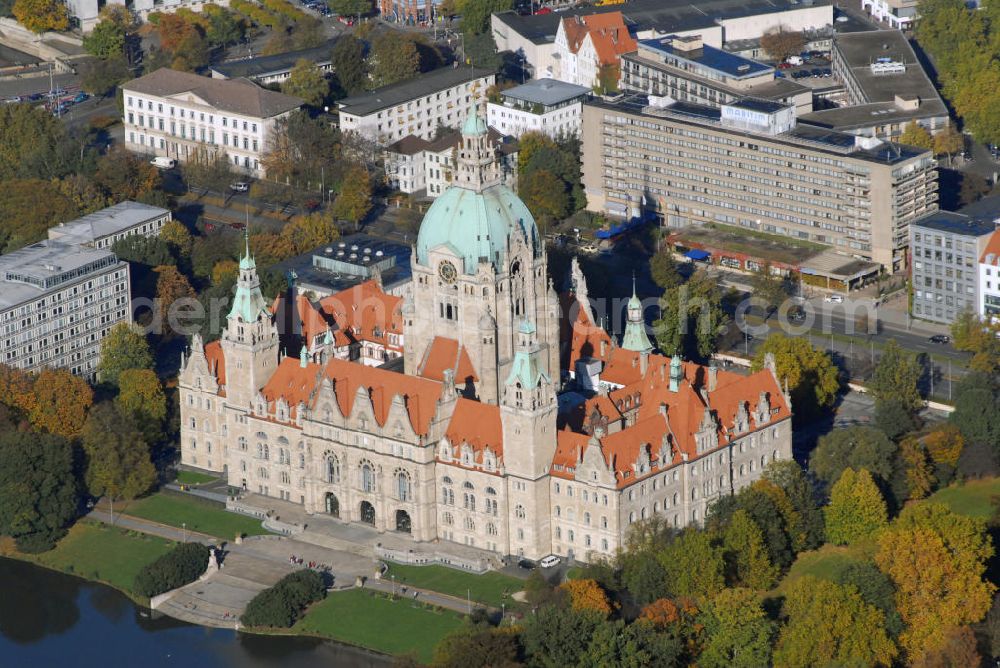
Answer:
(427, 558)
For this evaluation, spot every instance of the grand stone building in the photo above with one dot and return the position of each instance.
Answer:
(469, 445)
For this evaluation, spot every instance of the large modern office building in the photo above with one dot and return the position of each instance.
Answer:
(542, 105)
(101, 229)
(57, 302)
(946, 249)
(749, 164)
(688, 70)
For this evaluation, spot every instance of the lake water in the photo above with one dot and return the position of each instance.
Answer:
(51, 619)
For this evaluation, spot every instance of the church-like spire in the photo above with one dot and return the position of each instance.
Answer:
(248, 303)
(635, 337)
(477, 167)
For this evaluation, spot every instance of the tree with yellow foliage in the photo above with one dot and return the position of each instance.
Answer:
(937, 560)
(914, 134)
(588, 595)
(61, 402)
(944, 444)
(40, 16)
(919, 474)
(856, 510)
(310, 231)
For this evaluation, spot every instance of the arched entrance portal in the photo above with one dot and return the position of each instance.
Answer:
(367, 513)
(332, 504)
(403, 521)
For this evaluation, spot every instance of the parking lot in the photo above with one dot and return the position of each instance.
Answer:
(810, 69)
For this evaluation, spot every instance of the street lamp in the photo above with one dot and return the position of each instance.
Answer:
(183, 532)
(394, 586)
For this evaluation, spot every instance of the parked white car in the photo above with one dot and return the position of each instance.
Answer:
(163, 162)
(549, 561)
(834, 299)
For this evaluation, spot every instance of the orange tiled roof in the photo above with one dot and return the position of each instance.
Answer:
(992, 247)
(310, 321)
(216, 361)
(570, 447)
(366, 312)
(420, 395)
(478, 425)
(586, 340)
(445, 353)
(607, 32)
(292, 383)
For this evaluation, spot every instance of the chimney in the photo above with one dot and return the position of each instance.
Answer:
(713, 375)
(643, 362)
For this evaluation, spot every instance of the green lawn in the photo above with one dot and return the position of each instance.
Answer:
(194, 478)
(395, 627)
(99, 552)
(197, 514)
(974, 498)
(486, 588)
(827, 563)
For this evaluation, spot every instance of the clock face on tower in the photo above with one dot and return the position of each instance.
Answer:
(447, 272)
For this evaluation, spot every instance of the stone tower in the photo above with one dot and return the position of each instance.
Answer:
(250, 341)
(635, 337)
(528, 410)
(479, 268)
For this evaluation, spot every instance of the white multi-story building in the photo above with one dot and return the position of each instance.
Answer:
(87, 12)
(103, 228)
(588, 49)
(417, 106)
(184, 116)
(57, 303)
(989, 278)
(899, 14)
(467, 446)
(548, 106)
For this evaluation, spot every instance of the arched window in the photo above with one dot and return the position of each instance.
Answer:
(403, 492)
(631, 517)
(569, 535)
(604, 522)
(367, 477)
(302, 460)
(467, 485)
(469, 501)
(332, 468)
(446, 480)
(519, 512)
(558, 511)
(470, 525)
(676, 498)
(642, 513)
(491, 491)
(604, 544)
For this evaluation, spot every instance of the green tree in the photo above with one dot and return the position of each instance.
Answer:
(738, 632)
(747, 561)
(896, 376)
(545, 195)
(348, 60)
(209, 169)
(791, 479)
(124, 347)
(555, 637)
(100, 77)
(876, 589)
(351, 7)
(182, 565)
(40, 16)
(141, 397)
(39, 492)
(979, 337)
(47, 204)
(224, 26)
(29, 143)
(768, 288)
(855, 447)
(393, 59)
(694, 565)
(118, 462)
(473, 646)
(644, 576)
(856, 510)
(308, 82)
(915, 134)
(106, 40)
(476, 14)
(810, 373)
(663, 269)
(354, 200)
(636, 644)
(281, 606)
(937, 560)
(893, 418)
(977, 409)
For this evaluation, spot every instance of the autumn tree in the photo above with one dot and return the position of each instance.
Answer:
(896, 377)
(588, 595)
(118, 462)
(61, 402)
(393, 59)
(978, 336)
(694, 565)
(944, 444)
(856, 510)
(308, 82)
(780, 43)
(829, 624)
(959, 649)
(811, 375)
(354, 200)
(124, 347)
(141, 397)
(224, 271)
(737, 631)
(173, 294)
(209, 169)
(39, 492)
(855, 447)
(30, 141)
(915, 134)
(948, 142)
(122, 175)
(747, 561)
(937, 560)
(787, 475)
(917, 468)
(311, 231)
(40, 16)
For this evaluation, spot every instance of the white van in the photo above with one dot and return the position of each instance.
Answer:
(163, 163)
(794, 60)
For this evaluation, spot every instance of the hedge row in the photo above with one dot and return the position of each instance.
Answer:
(182, 565)
(282, 605)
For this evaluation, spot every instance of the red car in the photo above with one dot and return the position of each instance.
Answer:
(784, 66)
(544, 10)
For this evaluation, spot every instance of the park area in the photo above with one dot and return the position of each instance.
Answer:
(194, 478)
(977, 498)
(193, 514)
(761, 245)
(374, 620)
(491, 588)
(102, 553)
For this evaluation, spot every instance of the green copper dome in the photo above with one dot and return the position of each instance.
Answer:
(474, 124)
(476, 225)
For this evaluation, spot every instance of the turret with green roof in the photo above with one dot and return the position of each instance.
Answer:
(635, 338)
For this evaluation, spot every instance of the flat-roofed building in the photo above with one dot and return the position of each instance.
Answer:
(689, 70)
(749, 164)
(945, 248)
(183, 115)
(103, 228)
(276, 68)
(548, 106)
(416, 106)
(886, 88)
(57, 303)
(899, 14)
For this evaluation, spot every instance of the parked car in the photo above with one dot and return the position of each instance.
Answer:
(940, 338)
(834, 299)
(794, 60)
(784, 66)
(239, 187)
(80, 97)
(526, 564)
(816, 72)
(549, 561)
(163, 162)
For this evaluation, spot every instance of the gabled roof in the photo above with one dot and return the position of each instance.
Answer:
(586, 340)
(293, 383)
(308, 321)
(992, 248)
(216, 361)
(607, 32)
(238, 96)
(365, 311)
(478, 425)
(445, 353)
(419, 395)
